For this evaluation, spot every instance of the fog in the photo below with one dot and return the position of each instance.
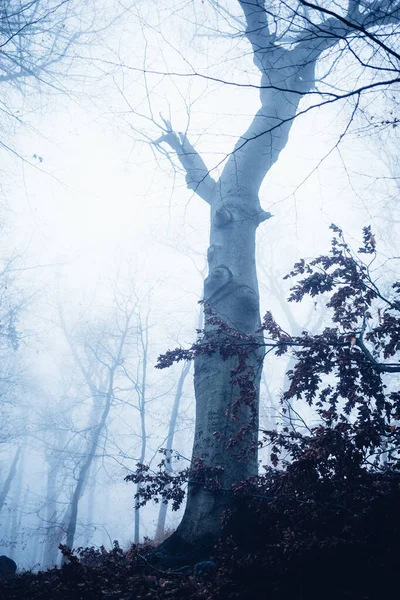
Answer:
(104, 248)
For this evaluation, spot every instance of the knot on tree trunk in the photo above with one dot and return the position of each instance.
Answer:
(223, 217)
(264, 215)
(239, 209)
(248, 299)
(213, 252)
(218, 278)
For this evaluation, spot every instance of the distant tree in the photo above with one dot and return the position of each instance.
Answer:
(10, 476)
(277, 288)
(104, 355)
(169, 446)
(108, 358)
(13, 381)
(35, 37)
(99, 420)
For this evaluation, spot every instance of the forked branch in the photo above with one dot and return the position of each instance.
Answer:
(198, 177)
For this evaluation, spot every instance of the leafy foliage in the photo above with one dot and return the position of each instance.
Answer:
(347, 371)
(300, 537)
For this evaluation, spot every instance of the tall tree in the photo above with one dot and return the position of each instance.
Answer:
(287, 41)
(111, 358)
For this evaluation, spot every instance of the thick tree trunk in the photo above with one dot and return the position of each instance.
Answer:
(231, 290)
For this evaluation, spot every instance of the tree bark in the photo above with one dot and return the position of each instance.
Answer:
(231, 290)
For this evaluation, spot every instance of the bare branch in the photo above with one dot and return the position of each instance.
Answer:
(377, 14)
(257, 30)
(198, 178)
(287, 74)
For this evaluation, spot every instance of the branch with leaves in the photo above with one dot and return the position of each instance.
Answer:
(339, 371)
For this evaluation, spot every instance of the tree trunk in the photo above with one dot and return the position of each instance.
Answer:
(9, 479)
(162, 514)
(271, 409)
(52, 539)
(143, 445)
(231, 290)
(142, 400)
(84, 470)
(90, 507)
(18, 503)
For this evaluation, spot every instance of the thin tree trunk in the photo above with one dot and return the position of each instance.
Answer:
(162, 514)
(9, 479)
(50, 550)
(144, 337)
(90, 507)
(106, 392)
(271, 409)
(83, 472)
(18, 503)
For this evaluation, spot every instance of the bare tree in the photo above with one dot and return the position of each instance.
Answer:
(104, 353)
(35, 36)
(111, 352)
(52, 520)
(13, 376)
(42, 44)
(135, 371)
(287, 41)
